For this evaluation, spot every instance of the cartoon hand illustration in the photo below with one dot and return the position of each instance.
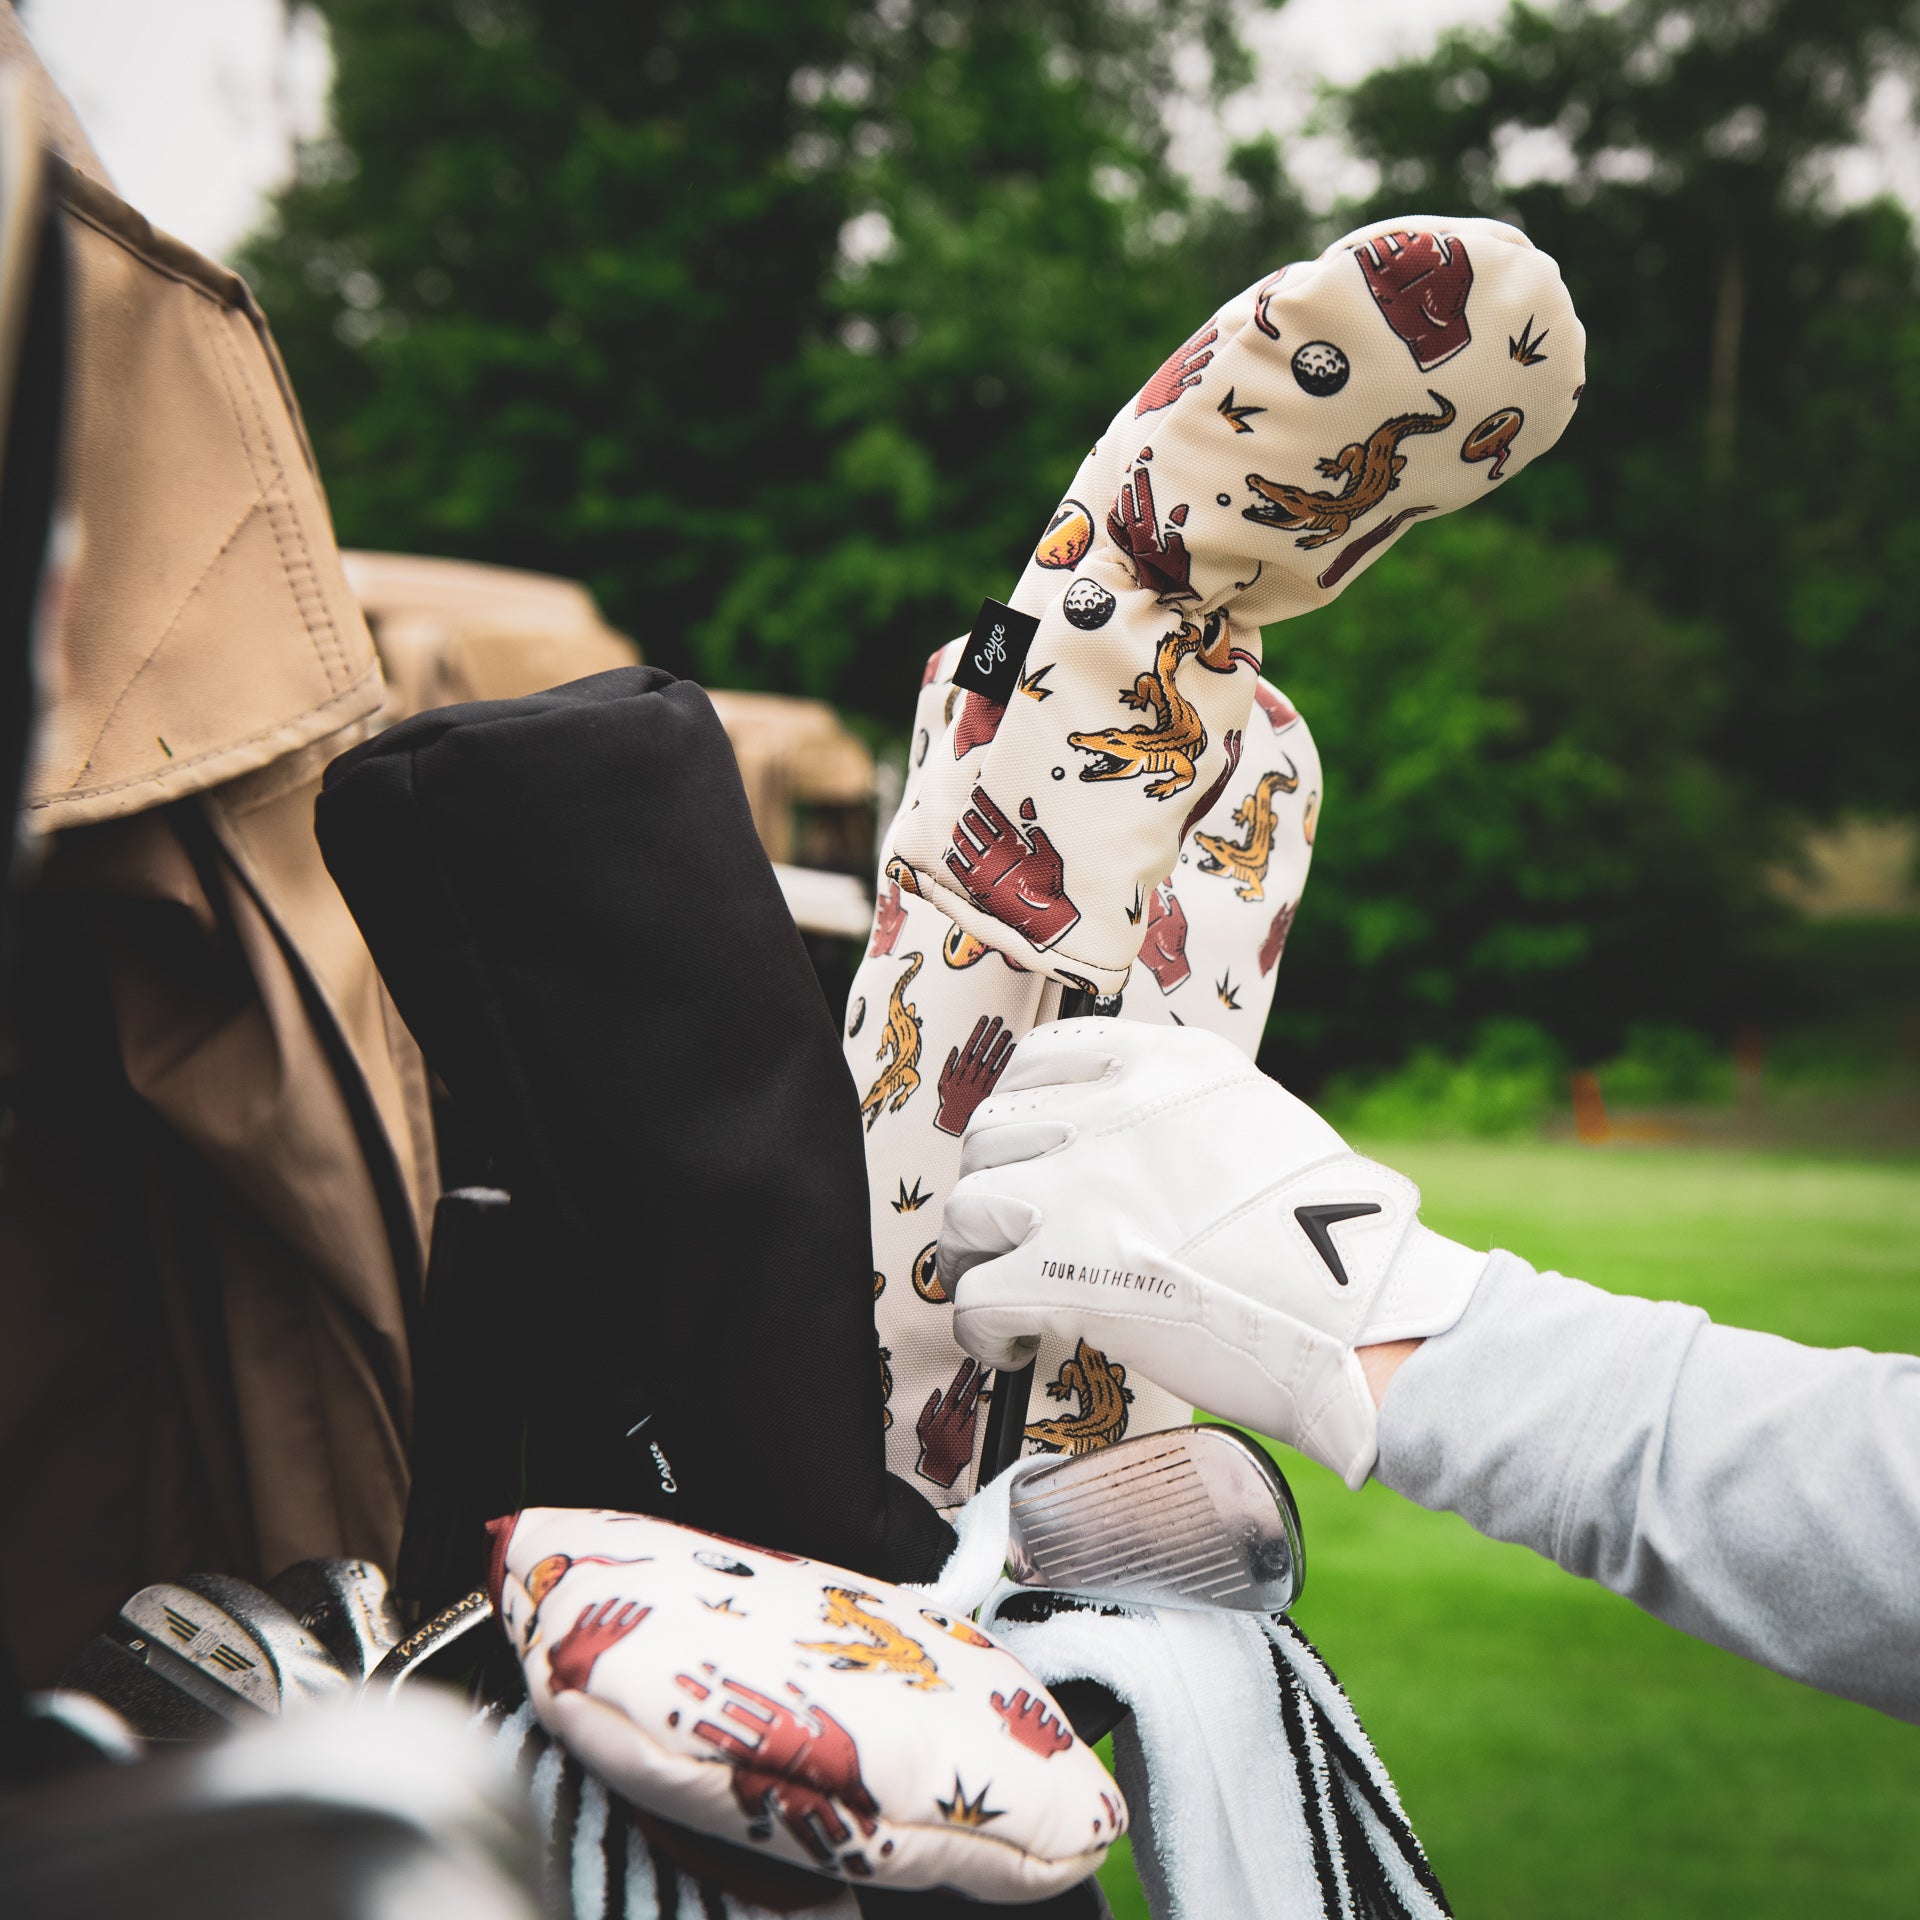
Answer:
(1161, 561)
(1017, 878)
(979, 721)
(1420, 283)
(945, 1425)
(1031, 1724)
(794, 1768)
(1164, 951)
(1180, 371)
(570, 1664)
(968, 1078)
(887, 922)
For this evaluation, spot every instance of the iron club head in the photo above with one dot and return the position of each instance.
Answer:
(414, 1655)
(345, 1605)
(184, 1659)
(1194, 1517)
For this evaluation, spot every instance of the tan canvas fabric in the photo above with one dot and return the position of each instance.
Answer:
(202, 537)
(454, 630)
(222, 1168)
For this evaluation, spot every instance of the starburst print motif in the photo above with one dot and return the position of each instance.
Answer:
(911, 1202)
(962, 1812)
(1034, 684)
(1228, 992)
(1527, 348)
(1139, 906)
(1236, 417)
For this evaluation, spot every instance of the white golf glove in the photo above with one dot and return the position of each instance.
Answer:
(1149, 1189)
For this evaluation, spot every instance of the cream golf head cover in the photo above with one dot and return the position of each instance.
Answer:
(932, 1019)
(826, 1719)
(1273, 458)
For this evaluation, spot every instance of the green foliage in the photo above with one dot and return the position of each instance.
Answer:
(1519, 822)
(779, 322)
(1667, 1066)
(1747, 445)
(1511, 1077)
(782, 322)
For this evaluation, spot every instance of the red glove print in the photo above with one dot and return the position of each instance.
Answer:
(800, 1770)
(1160, 561)
(1275, 943)
(1164, 951)
(969, 1077)
(887, 922)
(945, 1425)
(1273, 704)
(1180, 371)
(979, 721)
(1420, 283)
(1016, 877)
(570, 1664)
(1031, 1724)
(1261, 318)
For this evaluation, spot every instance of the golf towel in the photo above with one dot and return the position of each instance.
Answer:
(1253, 1787)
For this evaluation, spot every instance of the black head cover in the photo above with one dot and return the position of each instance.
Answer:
(571, 908)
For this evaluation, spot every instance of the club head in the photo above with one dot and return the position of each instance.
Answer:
(417, 1654)
(345, 1605)
(186, 1659)
(1194, 1517)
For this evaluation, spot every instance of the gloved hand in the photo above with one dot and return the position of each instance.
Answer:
(1149, 1189)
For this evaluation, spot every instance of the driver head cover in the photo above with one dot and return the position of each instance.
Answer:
(824, 1718)
(1281, 449)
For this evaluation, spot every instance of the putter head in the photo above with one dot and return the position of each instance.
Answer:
(1194, 1517)
(184, 1659)
(345, 1605)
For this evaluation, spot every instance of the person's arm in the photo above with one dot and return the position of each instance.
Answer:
(1758, 1494)
(1147, 1189)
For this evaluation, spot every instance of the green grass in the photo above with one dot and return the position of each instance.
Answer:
(1561, 1753)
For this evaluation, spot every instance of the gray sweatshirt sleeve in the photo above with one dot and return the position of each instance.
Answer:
(1758, 1494)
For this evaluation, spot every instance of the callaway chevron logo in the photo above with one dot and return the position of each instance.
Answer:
(1315, 1223)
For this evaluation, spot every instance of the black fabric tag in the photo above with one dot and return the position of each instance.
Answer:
(996, 651)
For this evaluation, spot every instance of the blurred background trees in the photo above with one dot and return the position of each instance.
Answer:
(782, 322)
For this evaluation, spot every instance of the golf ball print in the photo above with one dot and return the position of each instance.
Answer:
(1320, 368)
(1087, 605)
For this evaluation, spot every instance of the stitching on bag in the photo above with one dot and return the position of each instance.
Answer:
(176, 767)
(160, 640)
(279, 512)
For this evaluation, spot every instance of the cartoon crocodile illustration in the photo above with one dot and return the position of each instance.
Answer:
(1100, 1385)
(1372, 469)
(1170, 745)
(900, 1039)
(1245, 861)
(885, 1650)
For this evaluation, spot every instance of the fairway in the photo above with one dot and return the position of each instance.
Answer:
(1559, 1752)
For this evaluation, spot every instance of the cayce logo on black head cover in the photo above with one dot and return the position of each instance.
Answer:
(1315, 1222)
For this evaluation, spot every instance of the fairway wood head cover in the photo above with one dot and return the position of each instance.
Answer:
(1273, 457)
(828, 1720)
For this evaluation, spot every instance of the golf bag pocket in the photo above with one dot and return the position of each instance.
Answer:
(807, 1713)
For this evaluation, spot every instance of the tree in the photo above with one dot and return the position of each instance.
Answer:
(779, 322)
(1520, 821)
(1747, 446)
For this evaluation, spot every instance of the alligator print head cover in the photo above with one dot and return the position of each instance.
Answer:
(1274, 456)
(1139, 815)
